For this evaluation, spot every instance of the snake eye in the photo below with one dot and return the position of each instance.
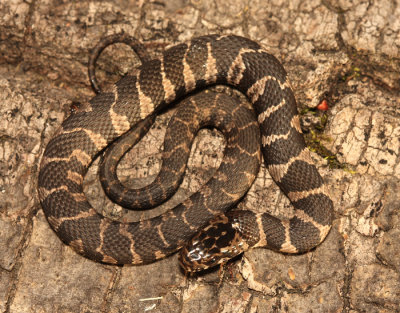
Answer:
(194, 254)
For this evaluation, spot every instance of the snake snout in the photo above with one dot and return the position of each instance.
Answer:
(215, 244)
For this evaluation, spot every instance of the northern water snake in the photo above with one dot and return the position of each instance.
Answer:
(183, 69)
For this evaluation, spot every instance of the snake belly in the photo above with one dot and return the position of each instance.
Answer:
(185, 68)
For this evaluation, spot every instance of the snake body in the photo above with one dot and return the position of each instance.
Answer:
(206, 109)
(183, 69)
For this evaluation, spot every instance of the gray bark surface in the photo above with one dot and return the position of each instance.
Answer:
(344, 52)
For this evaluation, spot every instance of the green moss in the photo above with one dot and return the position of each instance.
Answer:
(315, 138)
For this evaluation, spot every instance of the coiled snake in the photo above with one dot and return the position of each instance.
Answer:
(183, 69)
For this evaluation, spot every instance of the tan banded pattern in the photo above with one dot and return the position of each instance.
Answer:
(323, 229)
(211, 67)
(45, 193)
(56, 222)
(287, 246)
(235, 73)
(267, 113)
(120, 122)
(97, 138)
(258, 88)
(77, 154)
(146, 104)
(78, 197)
(298, 195)
(77, 245)
(263, 242)
(295, 123)
(103, 227)
(235, 61)
(188, 75)
(169, 88)
(160, 233)
(123, 230)
(75, 177)
(278, 171)
(266, 141)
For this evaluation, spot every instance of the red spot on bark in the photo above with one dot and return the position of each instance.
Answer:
(323, 106)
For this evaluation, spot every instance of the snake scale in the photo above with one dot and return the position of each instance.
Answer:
(156, 84)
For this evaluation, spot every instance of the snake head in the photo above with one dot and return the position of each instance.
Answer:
(215, 244)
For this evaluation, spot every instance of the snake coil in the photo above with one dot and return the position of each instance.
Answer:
(183, 69)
